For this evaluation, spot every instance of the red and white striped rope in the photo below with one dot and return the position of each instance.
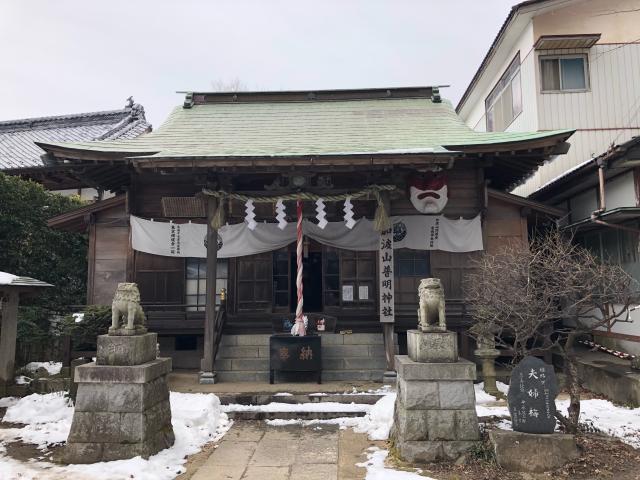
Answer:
(615, 353)
(299, 319)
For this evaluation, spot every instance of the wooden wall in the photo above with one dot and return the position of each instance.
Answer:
(108, 245)
(504, 224)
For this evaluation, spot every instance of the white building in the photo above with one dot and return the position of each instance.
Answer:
(559, 64)
(574, 64)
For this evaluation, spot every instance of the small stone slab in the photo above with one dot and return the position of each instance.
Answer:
(532, 391)
(527, 452)
(126, 350)
(432, 347)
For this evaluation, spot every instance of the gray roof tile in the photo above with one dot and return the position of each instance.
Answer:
(17, 137)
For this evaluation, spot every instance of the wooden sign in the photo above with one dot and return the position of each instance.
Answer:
(385, 265)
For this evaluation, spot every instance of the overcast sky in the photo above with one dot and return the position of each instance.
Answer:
(69, 56)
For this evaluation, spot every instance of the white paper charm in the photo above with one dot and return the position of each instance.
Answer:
(281, 216)
(322, 221)
(250, 215)
(348, 214)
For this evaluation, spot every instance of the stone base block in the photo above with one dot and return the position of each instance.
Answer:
(126, 350)
(428, 451)
(432, 347)
(528, 452)
(411, 370)
(436, 425)
(93, 452)
(92, 373)
(121, 412)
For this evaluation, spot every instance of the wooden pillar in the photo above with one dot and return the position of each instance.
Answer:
(8, 335)
(207, 374)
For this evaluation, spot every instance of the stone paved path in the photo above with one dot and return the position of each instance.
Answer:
(255, 451)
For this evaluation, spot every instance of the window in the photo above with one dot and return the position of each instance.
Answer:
(349, 278)
(254, 277)
(196, 282)
(620, 247)
(564, 73)
(410, 267)
(504, 103)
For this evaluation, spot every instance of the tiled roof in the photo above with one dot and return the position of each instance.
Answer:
(301, 128)
(9, 280)
(17, 137)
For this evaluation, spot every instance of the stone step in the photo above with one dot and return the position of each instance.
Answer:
(328, 364)
(265, 398)
(292, 415)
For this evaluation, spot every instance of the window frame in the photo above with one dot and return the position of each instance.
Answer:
(567, 56)
(512, 71)
(201, 280)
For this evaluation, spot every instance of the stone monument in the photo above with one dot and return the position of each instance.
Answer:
(532, 446)
(435, 416)
(122, 405)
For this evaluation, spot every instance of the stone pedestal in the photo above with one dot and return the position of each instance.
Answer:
(529, 452)
(432, 347)
(122, 407)
(435, 416)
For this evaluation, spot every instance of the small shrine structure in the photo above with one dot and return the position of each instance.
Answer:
(334, 203)
(12, 289)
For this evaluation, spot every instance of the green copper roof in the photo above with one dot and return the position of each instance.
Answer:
(299, 128)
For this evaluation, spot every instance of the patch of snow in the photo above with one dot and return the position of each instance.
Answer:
(196, 417)
(78, 317)
(620, 422)
(6, 278)
(379, 419)
(40, 409)
(298, 407)
(376, 469)
(483, 397)
(283, 394)
(343, 422)
(47, 418)
(8, 401)
(52, 367)
(376, 423)
(22, 380)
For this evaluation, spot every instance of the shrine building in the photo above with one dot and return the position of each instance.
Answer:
(369, 191)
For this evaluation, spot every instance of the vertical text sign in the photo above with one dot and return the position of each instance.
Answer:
(385, 265)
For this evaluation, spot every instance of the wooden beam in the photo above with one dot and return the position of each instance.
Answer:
(207, 374)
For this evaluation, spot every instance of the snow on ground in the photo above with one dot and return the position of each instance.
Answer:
(52, 367)
(197, 419)
(377, 471)
(8, 401)
(620, 422)
(376, 423)
(298, 407)
(47, 419)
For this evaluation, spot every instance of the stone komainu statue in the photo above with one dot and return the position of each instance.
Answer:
(126, 303)
(431, 316)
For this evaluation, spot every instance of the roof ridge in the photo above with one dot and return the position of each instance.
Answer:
(52, 121)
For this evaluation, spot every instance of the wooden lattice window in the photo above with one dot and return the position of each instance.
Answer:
(254, 278)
